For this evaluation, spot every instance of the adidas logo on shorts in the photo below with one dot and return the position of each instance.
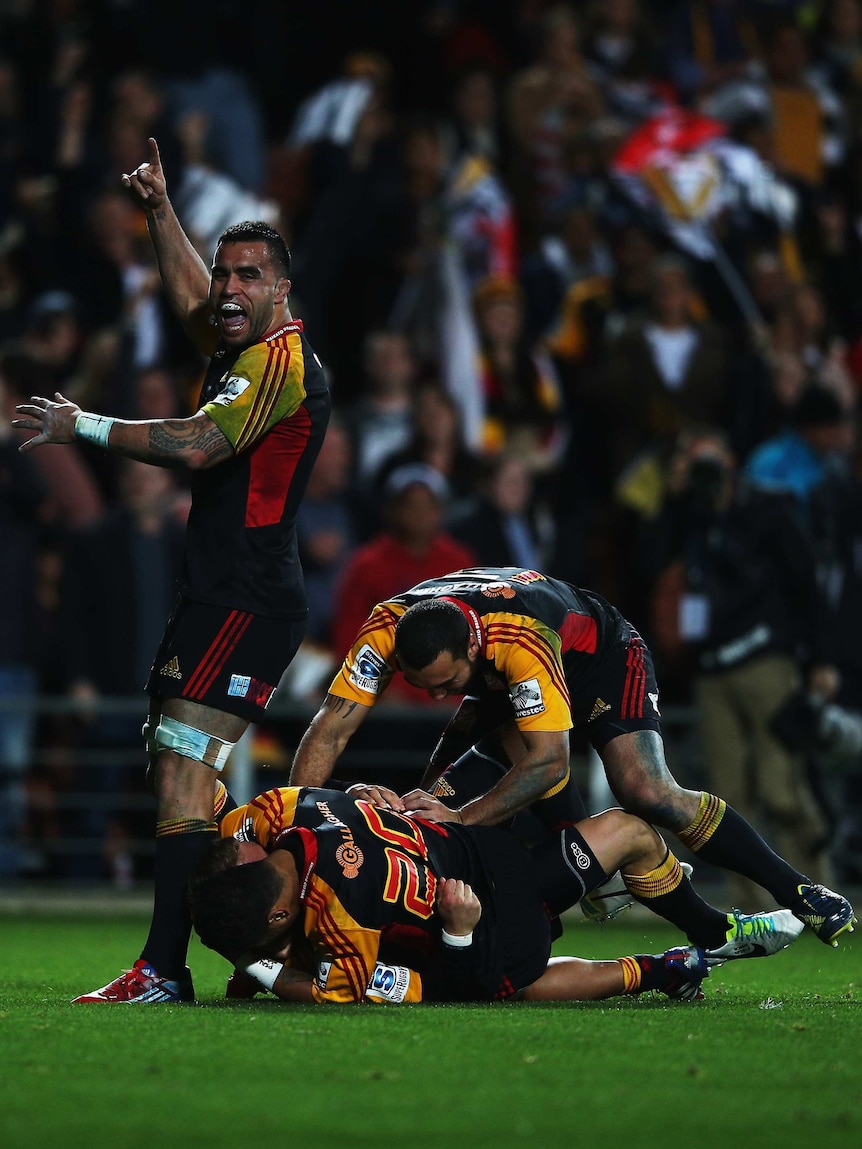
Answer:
(172, 669)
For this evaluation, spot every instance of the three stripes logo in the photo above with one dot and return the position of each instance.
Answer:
(171, 669)
(601, 707)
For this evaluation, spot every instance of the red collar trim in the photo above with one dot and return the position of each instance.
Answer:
(472, 618)
(294, 325)
(309, 847)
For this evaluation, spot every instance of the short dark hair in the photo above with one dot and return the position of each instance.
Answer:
(230, 908)
(256, 231)
(428, 629)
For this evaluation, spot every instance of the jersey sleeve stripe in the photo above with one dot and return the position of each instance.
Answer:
(349, 960)
(265, 400)
(514, 635)
(380, 620)
(245, 434)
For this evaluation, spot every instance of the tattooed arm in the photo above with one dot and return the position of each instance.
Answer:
(330, 730)
(193, 443)
(184, 274)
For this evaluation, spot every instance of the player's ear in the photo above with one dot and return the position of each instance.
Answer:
(282, 290)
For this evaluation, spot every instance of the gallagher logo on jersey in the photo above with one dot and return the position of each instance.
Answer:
(367, 670)
(527, 698)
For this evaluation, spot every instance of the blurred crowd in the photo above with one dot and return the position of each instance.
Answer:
(623, 374)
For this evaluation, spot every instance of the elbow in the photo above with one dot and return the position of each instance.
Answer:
(197, 460)
(557, 771)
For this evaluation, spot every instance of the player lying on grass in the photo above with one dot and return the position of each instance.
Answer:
(361, 903)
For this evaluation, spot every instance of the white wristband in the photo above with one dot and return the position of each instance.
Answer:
(94, 428)
(263, 971)
(459, 941)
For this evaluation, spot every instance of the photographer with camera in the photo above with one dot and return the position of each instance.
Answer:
(736, 601)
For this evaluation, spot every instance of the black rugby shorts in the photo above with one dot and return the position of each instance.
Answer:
(618, 693)
(230, 660)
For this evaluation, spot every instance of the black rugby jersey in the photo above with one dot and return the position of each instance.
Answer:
(536, 635)
(369, 881)
(272, 403)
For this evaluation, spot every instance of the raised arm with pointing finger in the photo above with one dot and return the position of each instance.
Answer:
(185, 277)
(240, 616)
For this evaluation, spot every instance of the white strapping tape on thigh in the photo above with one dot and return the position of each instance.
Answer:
(149, 733)
(191, 743)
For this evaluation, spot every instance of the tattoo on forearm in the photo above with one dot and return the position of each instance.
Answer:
(174, 436)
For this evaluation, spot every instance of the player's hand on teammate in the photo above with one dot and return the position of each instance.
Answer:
(52, 420)
(377, 795)
(146, 184)
(425, 805)
(458, 907)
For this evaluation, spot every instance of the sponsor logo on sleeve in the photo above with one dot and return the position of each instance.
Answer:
(323, 969)
(527, 698)
(233, 387)
(367, 669)
(389, 982)
(654, 700)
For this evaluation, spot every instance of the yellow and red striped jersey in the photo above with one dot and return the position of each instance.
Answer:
(272, 404)
(536, 634)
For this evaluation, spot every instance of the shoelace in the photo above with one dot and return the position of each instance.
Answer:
(127, 984)
(752, 927)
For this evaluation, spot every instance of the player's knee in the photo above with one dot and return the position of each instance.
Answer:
(188, 742)
(658, 803)
(632, 833)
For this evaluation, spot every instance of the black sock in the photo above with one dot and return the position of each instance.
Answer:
(723, 838)
(668, 892)
(177, 854)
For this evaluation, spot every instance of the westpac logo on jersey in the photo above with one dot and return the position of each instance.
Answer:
(367, 669)
(323, 969)
(527, 698)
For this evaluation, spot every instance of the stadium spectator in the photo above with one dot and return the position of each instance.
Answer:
(504, 528)
(522, 399)
(411, 545)
(326, 529)
(665, 372)
(550, 103)
(380, 420)
(737, 602)
(797, 460)
(437, 440)
(127, 568)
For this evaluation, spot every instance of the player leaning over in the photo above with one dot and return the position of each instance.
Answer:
(521, 646)
(262, 416)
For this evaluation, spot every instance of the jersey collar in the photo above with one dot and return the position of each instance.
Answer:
(472, 617)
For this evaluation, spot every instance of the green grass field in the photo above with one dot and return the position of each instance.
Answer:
(771, 1058)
